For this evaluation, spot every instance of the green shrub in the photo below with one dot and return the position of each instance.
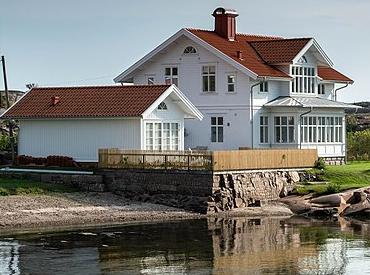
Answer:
(358, 144)
(320, 164)
(333, 188)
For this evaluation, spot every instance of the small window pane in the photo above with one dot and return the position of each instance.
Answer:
(212, 69)
(213, 120)
(220, 134)
(174, 71)
(220, 121)
(168, 71)
(212, 84)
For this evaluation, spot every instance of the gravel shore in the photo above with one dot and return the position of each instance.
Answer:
(75, 210)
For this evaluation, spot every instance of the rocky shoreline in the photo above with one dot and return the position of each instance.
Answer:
(349, 203)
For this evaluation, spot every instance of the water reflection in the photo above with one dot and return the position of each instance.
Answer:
(218, 246)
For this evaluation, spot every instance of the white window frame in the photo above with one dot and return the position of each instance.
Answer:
(217, 126)
(324, 129)
(264, 129)
(264, 87)
(321, 89)
(284, 129)
(304, 79)
(150, 79)
(166, 142)
(171, 78)
(208, 75)
(231, 84)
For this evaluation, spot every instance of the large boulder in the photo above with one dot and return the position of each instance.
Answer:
(330, 200)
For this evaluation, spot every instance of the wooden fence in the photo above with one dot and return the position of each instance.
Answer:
(206, 160)
(263, 159)
(144, 159)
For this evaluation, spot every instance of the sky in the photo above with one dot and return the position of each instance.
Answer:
(89, 42)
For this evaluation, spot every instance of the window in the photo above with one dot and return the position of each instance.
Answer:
(303, 59)
(264, 87)
(209, 78)
(162, 106)
(171, 75)
(150, 80)
(231, 83)
(162, 136)
(321, 89)
(304, 79)
(284, 129)
(321, 129)
(217, 129)
(190, 50)
(264, 129)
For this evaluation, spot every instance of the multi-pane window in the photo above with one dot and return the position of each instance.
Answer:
(321, 89)
(264, 87)
(162, 106)
(209, 78)
(284, 129)
(190, 50)
(171, 75)
(304, 79)
(264, 129)
(321, 129)
(162, 136)
(231, 83)
(217, 129)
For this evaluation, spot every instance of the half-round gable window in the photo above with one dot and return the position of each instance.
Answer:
(303, 59)
(190, 50)
(162, 106)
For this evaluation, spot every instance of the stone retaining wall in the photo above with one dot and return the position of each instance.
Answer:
(93, 183)
(201, 192)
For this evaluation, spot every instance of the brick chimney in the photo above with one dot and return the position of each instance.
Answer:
(225, 23)
(55, 100)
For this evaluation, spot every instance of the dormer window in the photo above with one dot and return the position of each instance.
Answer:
(162, 106)
(304, 79)
(190, 50)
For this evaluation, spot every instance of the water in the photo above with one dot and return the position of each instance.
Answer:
(213, 246)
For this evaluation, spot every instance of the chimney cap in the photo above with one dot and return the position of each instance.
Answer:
(55, 100)
(221, 10)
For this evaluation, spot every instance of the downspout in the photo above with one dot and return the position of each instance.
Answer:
(251, 107)
(340, 88)
(300, 125)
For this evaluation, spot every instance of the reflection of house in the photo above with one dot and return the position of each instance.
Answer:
(255, 91)
(9, 257)
(77, 121)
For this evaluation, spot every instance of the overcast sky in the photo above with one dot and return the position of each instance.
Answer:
(75, 42)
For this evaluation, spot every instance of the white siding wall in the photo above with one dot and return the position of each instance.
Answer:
(233, 107)
(79, 139)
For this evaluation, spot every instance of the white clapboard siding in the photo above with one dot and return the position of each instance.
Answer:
(79, 138)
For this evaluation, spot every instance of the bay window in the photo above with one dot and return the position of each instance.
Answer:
(321, 129)
(284, 129)
(162, 136)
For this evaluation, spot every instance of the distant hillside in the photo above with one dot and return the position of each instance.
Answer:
(359, 119)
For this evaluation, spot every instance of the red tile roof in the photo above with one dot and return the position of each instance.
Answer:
(328, 73)
(261, 52)
(251, 59)
(279, 51)
(93, 101)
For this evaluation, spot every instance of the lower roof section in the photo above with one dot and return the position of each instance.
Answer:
(307, 102)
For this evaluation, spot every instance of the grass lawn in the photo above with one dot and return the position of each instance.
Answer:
(18, 187)
(340, 177)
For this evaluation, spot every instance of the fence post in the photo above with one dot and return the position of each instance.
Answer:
(188, 162)
(144, 161)
(165, 162)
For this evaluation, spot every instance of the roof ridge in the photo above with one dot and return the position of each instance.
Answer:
(282, 39)
(102, 86)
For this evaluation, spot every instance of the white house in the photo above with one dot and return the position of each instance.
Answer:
(254, 91)
(77, 121)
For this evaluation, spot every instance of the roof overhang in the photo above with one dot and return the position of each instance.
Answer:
(127, 74)
(308, 102)
(182, 101)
